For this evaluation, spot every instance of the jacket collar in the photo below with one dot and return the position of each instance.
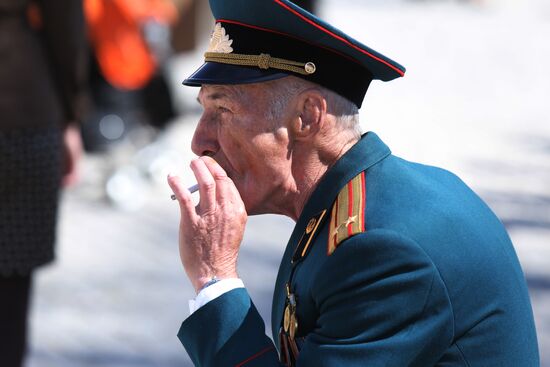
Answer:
(364, 154)
(368, 151)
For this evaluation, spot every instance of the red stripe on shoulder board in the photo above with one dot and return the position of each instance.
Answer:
(332, 34)
(255, 356)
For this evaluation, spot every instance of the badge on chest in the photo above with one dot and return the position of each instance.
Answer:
(346, 219)
(289, 329)
(287, 334)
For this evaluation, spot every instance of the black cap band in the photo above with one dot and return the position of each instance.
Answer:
(332, 70)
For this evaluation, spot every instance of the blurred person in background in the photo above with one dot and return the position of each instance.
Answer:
(131, 99)
(42, 81)
(130, 44)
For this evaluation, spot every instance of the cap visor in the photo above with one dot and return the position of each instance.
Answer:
(216, 73)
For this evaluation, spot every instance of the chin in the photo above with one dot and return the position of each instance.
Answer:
(253, 208)
(256, 201)
(251, 213)
(250, 208)
(258, 208)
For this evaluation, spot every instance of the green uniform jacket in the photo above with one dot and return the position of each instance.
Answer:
(429, 277)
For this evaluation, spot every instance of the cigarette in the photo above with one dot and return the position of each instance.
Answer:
(191, 189)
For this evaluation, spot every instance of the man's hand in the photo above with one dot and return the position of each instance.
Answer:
(210, 233)
(72, 151)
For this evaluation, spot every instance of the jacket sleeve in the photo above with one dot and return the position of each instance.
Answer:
(381, 302)
(380, 299)
(64, 33)
(228, 331)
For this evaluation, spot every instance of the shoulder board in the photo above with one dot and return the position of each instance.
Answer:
(348, 213)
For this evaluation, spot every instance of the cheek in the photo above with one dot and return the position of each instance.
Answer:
(253, 153)
(236, 150)
(238, 145)
(268, 160)
(235, 144)
(241, 142)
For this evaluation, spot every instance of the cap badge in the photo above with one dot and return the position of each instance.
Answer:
(220, 41)
(220, 51)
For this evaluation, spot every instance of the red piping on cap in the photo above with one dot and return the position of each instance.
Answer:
(399, 71)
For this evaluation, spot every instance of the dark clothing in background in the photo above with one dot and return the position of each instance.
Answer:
(42, 74)
(15, 302)
(30, 177)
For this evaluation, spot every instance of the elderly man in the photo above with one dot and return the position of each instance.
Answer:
(390, 263)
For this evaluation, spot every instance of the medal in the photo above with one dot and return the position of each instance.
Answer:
(293, 320)
(286, 319)
(293, 326)
(288, 331)
(287, 334)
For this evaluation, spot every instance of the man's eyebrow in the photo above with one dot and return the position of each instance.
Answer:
(214, 96)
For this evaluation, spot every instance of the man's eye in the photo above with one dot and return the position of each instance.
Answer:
(223, 109)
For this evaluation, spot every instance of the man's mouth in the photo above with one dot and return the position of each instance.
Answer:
(222, 164)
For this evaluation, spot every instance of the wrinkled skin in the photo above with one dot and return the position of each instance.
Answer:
(249, 164)
(243, 167)
(211, 233)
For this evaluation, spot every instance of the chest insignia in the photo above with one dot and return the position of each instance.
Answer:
(287, 334)
(348, 213)
(306, 241)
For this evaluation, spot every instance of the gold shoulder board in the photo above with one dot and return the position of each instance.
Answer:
(348, 213)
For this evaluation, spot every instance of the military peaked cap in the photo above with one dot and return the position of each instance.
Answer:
(260, 40)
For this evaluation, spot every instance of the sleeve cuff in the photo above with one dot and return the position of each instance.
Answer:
(214, 291)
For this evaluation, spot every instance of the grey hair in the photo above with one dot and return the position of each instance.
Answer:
(282, 91)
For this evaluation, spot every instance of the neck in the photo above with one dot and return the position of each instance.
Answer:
(310, 164)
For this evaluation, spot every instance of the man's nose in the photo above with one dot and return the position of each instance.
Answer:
(204, 139)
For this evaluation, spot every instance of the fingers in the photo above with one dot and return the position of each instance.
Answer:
(224, 185)
(215, 186)
(183, 195)
(207, 185)
(217, 171)
(72, 144)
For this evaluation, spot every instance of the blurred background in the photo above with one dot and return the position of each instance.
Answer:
(475, 100)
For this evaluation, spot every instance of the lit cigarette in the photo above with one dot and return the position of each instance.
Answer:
(191, 189)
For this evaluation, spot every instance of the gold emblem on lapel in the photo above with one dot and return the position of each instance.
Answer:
(220, 41)
(307, 238)
(348, 213)
(311, 225)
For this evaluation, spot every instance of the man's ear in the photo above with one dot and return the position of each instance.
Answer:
(311, 112)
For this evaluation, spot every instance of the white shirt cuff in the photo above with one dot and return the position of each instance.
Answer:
(214, 291)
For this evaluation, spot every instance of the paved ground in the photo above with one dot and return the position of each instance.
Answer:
(475, 100)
